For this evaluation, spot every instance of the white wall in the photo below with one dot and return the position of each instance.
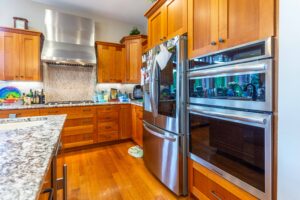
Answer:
(106, 29)
(289, 101)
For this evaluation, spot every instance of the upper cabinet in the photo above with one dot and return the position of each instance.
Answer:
(219, 24)
(166, 19)
(20, 52)
(134, 50)
(111, 62)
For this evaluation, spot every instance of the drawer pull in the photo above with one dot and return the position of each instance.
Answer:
(215, 195)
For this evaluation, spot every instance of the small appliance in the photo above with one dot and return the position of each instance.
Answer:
(137, 92)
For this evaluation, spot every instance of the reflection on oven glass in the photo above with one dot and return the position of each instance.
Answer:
(237, 149)
(249, 87)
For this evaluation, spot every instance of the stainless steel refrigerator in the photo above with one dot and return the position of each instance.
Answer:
(164, 130)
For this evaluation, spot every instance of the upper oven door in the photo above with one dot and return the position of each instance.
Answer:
(237, 145)
(244, 86)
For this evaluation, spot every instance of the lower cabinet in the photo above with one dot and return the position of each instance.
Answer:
(205, 184)
(19, 113)
(80, 126)
(88, 125)
(108, 123)
(137, 124)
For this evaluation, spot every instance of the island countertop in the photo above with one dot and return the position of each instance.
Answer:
(27, 146)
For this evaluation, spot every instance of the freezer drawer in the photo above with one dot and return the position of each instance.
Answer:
(162, 157)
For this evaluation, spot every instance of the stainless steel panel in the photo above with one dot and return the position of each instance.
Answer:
(250, 105)
(161, 156)
(269, 53)
(69, 39)
(267, 125)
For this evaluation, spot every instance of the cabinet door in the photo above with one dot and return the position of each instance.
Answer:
(176, 16)
(202, 27)
(134, 60)
(119, 65)
(156, 28)
(105, 63)
(134, 121)
(30, 58)
(1, 55)
(139, 126)
(10, 56)
(125, 122)
(242, 21)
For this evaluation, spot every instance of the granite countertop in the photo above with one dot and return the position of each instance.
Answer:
(27, 146)
(36, 106)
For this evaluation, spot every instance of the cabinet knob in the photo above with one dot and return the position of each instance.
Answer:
(213, 43)
(161, 39)
(221, 40)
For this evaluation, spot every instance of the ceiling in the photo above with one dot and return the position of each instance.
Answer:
(130, 11)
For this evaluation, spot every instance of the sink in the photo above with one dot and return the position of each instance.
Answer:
(12, 125)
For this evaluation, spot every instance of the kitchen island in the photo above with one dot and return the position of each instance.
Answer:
(27, 146)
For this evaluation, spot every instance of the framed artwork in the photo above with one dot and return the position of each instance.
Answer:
(20, 23)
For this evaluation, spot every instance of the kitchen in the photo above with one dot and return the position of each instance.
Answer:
(166, 99)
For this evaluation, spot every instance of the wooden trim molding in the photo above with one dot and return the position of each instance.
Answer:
(21, 31)
(133, 37)
(154, 8)
(109, 44)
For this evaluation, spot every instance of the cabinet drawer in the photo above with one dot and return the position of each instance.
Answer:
(53, 111)
(77, 140)
(80, 112)
(78, 130)
(112, 136)
(113, 108)
(205, 184)
(19, 113)
(109, 116)
(79, 122)
(107, 127)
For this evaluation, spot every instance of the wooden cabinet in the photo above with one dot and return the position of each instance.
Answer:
(125, 122)
(217, 24)
(205, 184)
(80, 126)
(19, 113)
(20, 52)
(108, 123)
(166, 19)
(202, 28)
(134, 50)
(111, 62)
(137, 124)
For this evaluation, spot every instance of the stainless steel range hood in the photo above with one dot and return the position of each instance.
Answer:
(69, 39)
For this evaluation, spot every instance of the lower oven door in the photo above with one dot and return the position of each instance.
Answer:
(236, 145)
(161, 156)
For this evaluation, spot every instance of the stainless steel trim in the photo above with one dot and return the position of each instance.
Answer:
(267, 195)
(267, 105)
(159, 134)
(258, 120)
(269, 52)
(227, 70)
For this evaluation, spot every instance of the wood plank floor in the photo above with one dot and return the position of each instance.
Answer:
(109, 173)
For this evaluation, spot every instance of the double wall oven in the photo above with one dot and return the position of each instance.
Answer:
(230, 115)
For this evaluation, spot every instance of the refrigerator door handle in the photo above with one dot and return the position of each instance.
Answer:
(153, 91)
(158, 134)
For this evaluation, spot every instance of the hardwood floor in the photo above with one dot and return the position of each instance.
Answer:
(109, 173)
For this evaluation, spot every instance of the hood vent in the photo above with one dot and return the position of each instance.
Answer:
(69, 40)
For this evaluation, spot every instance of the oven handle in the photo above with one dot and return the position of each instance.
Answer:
(228, 70)
(248, 119)
(158, 134)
